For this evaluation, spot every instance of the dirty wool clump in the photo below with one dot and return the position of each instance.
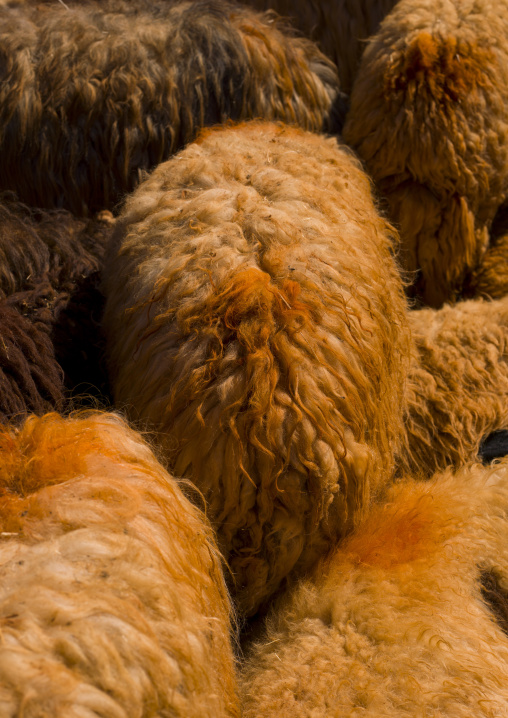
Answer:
(429, 118)
(255, 318)
(112, 599)
(92, 93)
(407, 618)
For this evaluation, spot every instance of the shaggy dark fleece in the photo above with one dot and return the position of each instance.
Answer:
(50, 266)
(31, 380)
(340, 27)
(91, 93)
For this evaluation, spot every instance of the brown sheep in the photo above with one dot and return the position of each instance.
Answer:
(50, 265)
(255, 318)
(112, 599)
(428, 117)
(31, 380)
(91, 93)
(409, 617)
(339, 27)
(457, 389)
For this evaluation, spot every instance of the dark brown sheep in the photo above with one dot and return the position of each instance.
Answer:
(91, 93)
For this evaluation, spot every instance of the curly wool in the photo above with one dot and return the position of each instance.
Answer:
(339, 27)
(50, 266)
(408, 618)
(428, 116)
(255, 317)
(93, 93)
(457, 389)
(112, 600)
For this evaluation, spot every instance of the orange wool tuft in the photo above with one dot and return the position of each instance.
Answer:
(447, 69)
(401, 532)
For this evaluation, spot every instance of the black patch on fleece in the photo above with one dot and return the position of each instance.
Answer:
(494, 446)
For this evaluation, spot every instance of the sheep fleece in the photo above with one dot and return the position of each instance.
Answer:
(112, 601)
(429, 118)
(255, 318)
(457, 388)
(408, 618)
(91, 93)
(340, 27)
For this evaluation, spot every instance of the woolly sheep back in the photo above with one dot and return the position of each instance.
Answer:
(112, 599)
(428, 117)
(407, 618)
(255, 318)
(91, 93)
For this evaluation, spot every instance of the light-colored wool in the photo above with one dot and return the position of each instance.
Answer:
(112, 600)
(340, 27)
(92, 93)
(428, 116)
(458, 383)
(255, 317)
(407, 618)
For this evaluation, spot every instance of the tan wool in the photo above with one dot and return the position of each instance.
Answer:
(112, 599)
(255, 319)
(407, 618)
(458, 383)
(429, 118)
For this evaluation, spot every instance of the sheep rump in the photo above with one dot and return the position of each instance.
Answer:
(112, 600)
(428, 117)
(255, 318)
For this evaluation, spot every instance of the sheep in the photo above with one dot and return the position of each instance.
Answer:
(255, 319)
(428, 118)
(112, 597)
(50, 265)
(340, 28)
(94, 93)
(457, 387)
(408, 617)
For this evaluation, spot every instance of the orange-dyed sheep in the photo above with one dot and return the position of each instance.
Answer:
(255, 318)
(112, 600)
(409, 617)
(91, 93)
(428, 116)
